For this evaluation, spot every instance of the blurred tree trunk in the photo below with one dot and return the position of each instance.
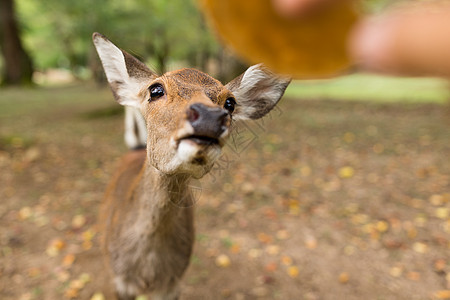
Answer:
(229, 65)
(162, 56)
(18, 64)
(96, 67)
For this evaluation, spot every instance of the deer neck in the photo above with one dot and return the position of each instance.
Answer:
(163, 199)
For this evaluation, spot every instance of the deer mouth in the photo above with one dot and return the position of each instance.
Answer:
(201, 140)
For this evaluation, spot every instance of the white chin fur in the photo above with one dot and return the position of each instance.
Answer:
(188, 152)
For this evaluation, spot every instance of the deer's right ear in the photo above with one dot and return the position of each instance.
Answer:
(126, 75)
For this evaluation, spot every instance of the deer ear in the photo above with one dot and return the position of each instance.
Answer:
(126, 75)
(257, 91)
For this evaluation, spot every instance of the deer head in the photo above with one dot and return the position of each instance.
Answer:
(187, 112)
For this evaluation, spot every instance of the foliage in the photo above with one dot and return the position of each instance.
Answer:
(58, 32)
(370, 87)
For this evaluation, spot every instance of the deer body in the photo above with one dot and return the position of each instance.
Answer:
(147, 216)
(152, 228)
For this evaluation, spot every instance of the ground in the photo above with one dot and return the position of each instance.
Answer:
(320, 200)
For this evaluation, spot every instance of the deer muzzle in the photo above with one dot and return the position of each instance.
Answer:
(209, 123)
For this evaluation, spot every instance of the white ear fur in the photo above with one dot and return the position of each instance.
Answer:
(257, 91)
(112, 58)
(117, 64)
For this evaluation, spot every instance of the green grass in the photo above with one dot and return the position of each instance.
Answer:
(367, 87)
(15, 102)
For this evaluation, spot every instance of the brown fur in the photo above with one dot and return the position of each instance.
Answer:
(147, 214)
(136, 211)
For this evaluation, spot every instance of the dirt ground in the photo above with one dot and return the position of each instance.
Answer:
(320, 200)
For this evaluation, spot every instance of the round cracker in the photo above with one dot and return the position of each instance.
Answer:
(312, 46)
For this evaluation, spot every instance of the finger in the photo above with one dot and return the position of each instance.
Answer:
(297, 8)
(407, 41)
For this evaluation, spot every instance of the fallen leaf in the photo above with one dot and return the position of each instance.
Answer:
(88, 235)
(446, 226)
(270, 213)
(420, 247)
(282, 234)
(87, 245)
(41, 221)
(344, 277)
(311, 242)
(294, 207)
(415, 276)
(33, 272)
(286, 260)
(369, 228)
(223, 261)
(32, 154)
(76, 284)
(349, 250)
(212, 252)
(232, 208)
(25, 213)
(396, 272)
(26, 296)
(226, 293)
(264, 238)
(443, 294)
(436, 200)
(78, 221)
(382, 226)
(378, 148)
(305, 171)
(247, 188)
(265, 279)
(85, 278)
(346, 172)
(98, 296)
(71, 293)
(360, 219)
(442, 212)
(55, 247)
(235, 248)
(392, 243)
(420, 221)
(349, 137)
(224, 234)
(439, 265)
(62, 276)
(260, 291)
(271, 267)
(293, 271)
(254, 253)
(59, 224)
(273, 250)
(68, 260)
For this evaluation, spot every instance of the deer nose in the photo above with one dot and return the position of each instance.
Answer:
(207, 121)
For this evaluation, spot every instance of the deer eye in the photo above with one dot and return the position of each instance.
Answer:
(156, 91)
(229, 104)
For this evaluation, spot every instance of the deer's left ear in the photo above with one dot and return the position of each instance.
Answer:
(257, 91)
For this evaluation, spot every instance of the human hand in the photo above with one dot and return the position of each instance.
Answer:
(408, 39)
(297, 8)
(412, 39)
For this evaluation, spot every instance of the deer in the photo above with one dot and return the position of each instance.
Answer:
(176, 125)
